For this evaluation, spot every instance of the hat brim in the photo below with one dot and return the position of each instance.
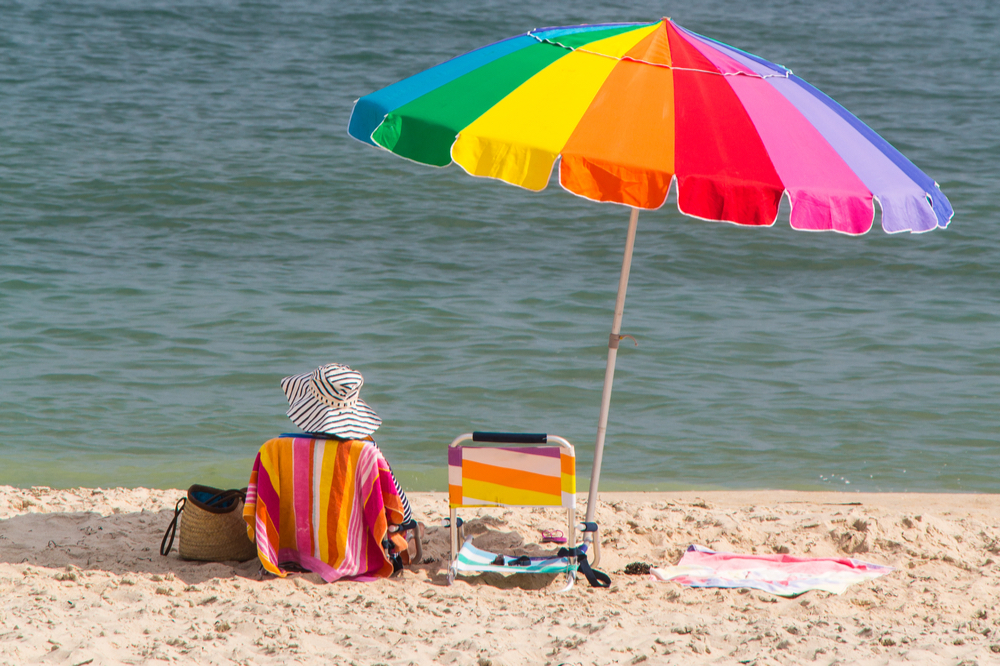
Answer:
(313, 416)
(296, 386)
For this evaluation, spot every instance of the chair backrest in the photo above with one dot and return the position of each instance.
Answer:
(491, 475)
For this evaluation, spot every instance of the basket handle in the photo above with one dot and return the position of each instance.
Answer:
(165, 545)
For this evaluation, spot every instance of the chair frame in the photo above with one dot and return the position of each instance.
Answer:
(521, 440)
(413, 529)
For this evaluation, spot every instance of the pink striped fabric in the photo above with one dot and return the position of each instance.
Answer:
(323, 505)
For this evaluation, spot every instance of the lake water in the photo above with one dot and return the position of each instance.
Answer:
(184, 221)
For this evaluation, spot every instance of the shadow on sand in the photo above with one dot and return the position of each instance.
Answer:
(119, 543)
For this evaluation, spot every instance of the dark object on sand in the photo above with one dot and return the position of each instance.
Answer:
(637, 567)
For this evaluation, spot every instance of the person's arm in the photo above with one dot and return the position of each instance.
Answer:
(407, 512)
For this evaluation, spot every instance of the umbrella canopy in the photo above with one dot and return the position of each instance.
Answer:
(630, 108)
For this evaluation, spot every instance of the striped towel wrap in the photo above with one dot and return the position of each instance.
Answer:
(323, 505)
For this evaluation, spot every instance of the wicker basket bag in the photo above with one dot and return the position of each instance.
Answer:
(211, 526)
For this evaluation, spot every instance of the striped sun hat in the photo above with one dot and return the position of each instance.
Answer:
(326, 401)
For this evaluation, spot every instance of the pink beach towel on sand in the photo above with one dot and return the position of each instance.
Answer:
(778, 574)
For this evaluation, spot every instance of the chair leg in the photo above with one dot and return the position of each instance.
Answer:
(453, 528)
(418, 540)
(570, 580)
(597, 548)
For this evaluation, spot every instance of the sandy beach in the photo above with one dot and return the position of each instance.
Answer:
(82, 582)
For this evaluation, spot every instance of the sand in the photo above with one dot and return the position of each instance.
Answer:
(82, 582)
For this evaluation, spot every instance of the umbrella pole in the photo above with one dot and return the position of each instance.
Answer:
(609, 373)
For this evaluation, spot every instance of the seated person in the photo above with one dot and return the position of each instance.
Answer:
(326, 500)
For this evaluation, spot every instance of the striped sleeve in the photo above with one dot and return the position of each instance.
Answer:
(407, 512)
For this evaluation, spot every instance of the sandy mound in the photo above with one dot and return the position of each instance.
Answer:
(83, 583)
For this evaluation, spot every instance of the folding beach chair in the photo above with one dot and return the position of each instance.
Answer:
(515, 470)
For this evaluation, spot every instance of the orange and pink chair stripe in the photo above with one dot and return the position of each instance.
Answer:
(509, 475)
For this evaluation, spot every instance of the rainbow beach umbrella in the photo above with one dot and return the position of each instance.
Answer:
(630, 110)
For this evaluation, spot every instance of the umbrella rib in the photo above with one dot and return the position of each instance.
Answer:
(752, 75)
